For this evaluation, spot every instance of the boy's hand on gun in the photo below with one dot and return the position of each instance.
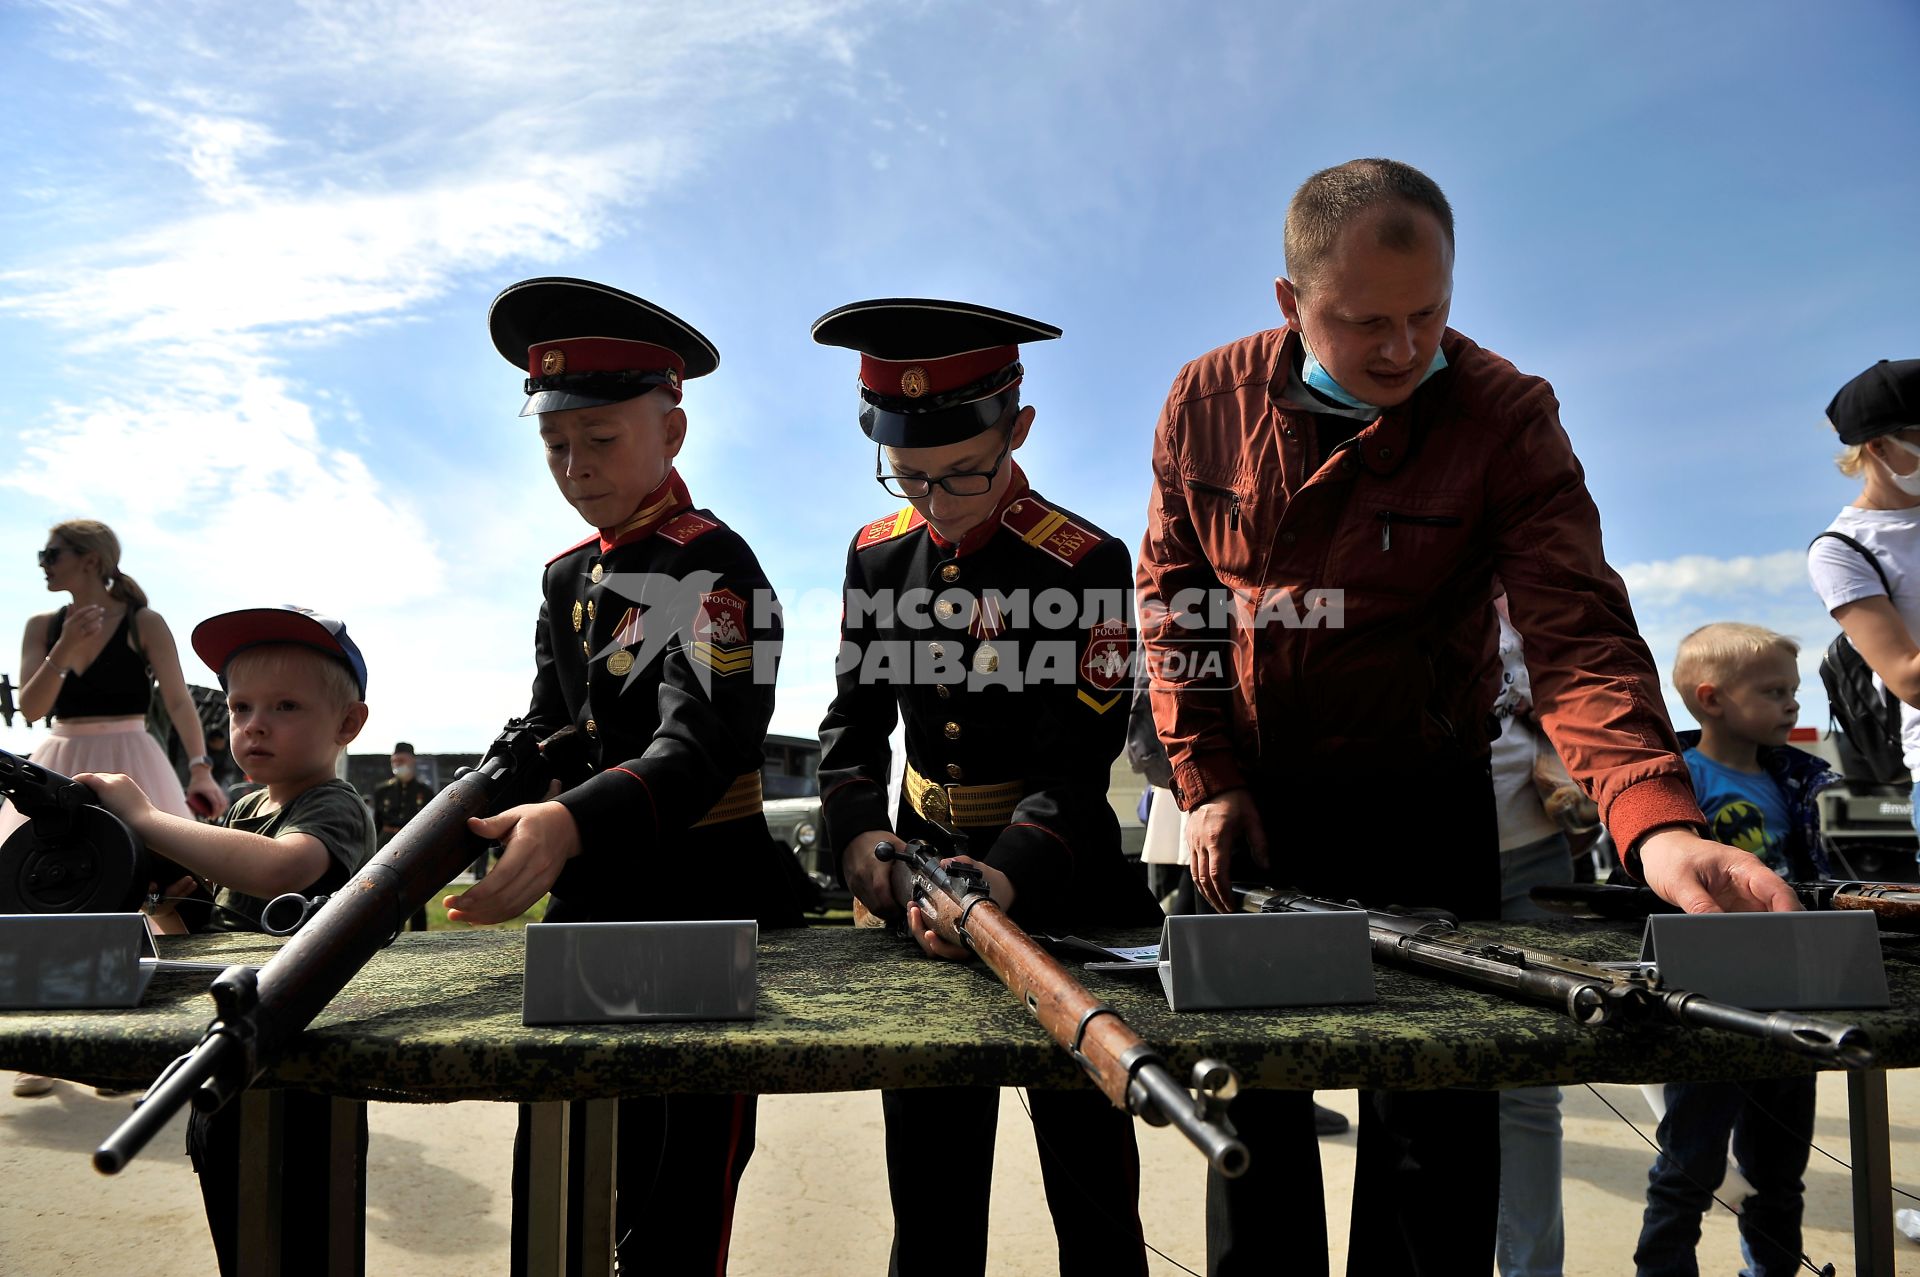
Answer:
(119, 795)
(920, 927)
(1702, 876)
(869, 878)
(536, 841)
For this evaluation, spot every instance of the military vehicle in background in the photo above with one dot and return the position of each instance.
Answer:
(1868, 824)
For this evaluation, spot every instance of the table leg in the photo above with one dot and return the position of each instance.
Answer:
(547, 1190)
(346, 1190)
(592, 1224)
(263, 1130)
(1873, 1254)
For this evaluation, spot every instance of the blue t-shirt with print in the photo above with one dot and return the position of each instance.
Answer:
(1744, 809)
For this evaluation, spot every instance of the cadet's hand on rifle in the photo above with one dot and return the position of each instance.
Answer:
(870, 878)
(1700, 876)
(536, 841)
(1214, 829)
(920, 925)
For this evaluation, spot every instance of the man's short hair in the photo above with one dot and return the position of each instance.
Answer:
(336, 680)
(1333, 199)
(1720, 652)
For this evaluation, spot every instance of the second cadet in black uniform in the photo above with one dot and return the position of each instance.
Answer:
(657, 640)
(996, 624)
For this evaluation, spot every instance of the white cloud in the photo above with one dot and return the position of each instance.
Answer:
(1695, 576)
(342, 165)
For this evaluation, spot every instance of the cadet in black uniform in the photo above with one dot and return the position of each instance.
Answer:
(397, 800)
(658, 637)
(997, 624)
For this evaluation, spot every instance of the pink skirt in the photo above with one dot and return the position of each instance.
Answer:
(107, 745)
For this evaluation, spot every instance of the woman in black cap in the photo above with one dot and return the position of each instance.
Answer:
(1866, 565)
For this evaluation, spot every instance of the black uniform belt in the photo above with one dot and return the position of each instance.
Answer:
(963, 804)
(741, 799)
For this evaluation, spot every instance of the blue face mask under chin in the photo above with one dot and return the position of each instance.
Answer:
(1316, 376)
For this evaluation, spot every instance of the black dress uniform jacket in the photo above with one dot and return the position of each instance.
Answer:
(1043, 707)
(395, 802)
(658, 642)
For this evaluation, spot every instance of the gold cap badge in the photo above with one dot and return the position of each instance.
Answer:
(553, 363)
(913, 382)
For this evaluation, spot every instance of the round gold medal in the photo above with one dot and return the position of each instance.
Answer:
(620, 662)
(986, 660)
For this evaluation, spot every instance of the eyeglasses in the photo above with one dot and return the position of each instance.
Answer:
(964, 483)
(51, 555)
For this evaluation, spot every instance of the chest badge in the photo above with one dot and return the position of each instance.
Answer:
(578, 612)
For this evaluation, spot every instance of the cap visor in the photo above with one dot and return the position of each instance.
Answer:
(566, 401)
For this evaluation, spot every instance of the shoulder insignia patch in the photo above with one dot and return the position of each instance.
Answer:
(592, 540)
(1045, 528)
(897, 524)
(684, 528)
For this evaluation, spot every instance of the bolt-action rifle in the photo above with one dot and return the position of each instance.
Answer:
(1585, 992)
(956, 901)
(259, 1013)
(1897, 904)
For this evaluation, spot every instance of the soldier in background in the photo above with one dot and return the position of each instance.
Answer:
(397, 801)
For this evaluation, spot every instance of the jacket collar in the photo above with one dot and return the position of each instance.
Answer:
(983, 532)
(1382, 445)
(665, 501)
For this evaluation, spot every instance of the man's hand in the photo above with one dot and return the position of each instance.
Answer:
(1214, 829)
(536, 841)
(119, 795)
(870, 878)
(1699, 876)
(201, 782)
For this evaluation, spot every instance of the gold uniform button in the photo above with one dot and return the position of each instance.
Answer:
(593, 609)
(942, 691)
(951, 572)
(953, 731)
(945, 607)
(954, 772)
(597, 573)
(591, 729)
(586, 649)
(936, 651)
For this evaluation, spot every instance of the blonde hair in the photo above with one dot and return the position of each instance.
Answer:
(336, 680)
(90, 536)
(1852, 460)
(1718, 653)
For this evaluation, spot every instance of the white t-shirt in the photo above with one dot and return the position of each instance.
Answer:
(1522, 820)
(1841, 575)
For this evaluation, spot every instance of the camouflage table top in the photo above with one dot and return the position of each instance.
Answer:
(436, 1017)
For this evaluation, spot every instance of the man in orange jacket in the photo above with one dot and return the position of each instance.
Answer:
(1334, 501)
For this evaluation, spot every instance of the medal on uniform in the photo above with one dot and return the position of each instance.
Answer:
(986, 659)
(987, 622)
(578, 611)
(620, 662)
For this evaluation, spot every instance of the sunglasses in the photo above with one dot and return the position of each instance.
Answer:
(50, 556)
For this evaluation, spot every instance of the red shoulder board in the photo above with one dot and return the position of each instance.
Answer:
(897, 524)
(683, 528)
(1045, 528)
(592, 540)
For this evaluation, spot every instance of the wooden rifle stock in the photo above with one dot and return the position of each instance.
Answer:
(956, 902)
(260, 1014)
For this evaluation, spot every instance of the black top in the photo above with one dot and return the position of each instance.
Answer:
(994, 695)
(117, 685)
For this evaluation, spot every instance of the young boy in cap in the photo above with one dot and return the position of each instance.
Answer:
(296, 687)
(657, 641)
(1015, 707)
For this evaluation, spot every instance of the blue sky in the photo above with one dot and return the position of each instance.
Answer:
(246, 253)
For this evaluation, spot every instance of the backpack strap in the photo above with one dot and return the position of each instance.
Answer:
(1865, 553)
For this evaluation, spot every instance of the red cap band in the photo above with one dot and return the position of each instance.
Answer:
(914, 378)
(601, 354)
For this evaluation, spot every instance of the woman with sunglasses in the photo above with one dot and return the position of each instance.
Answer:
(91, 666)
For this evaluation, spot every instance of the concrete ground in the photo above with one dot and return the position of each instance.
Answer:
(814, 1198)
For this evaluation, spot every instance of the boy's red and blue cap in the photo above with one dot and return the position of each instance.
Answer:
(584, 344)
(931, 372)
(218, 639)
(1881, 400)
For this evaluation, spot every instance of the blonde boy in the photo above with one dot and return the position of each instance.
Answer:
(1740, 681)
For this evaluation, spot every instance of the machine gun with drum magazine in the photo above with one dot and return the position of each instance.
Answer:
(260, 1012)
(1588, 993)
(957, 903)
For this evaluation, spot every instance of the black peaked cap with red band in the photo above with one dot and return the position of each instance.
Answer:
(584, 344)
(931, 372)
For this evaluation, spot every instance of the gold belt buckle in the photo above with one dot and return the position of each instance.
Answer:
(937, 807)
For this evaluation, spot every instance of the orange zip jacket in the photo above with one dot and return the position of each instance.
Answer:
(1358, 627)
